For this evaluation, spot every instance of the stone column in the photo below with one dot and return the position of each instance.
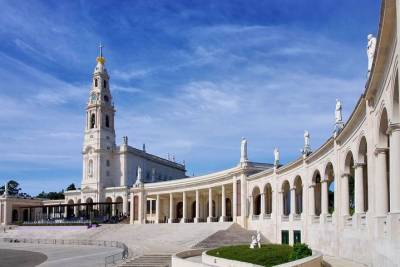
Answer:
(125, 205)
(251, 211)
(47, 213)
(184, 208)
(359, 188)
(171, 208)
(324, 197)
(394, 130)
(209, 205)
(157, 208)
(223, 204)
(75, 211)
(113, 208)
(262, 205)
(234, 199)
(345, 194)
(381, 187)
(311, 202)
(132, 209)
(197, 206)
(293, 201)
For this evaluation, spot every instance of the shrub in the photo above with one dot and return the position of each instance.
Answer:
(300, 251)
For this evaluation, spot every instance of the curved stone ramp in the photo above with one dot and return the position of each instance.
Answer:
(234, 235)
(20, 258)
(329, 261)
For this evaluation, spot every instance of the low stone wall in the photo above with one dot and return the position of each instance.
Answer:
(180, 260)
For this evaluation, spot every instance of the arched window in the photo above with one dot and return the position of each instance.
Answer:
(95, 83)
(92, 121)
(107, 121)
(90, 168)
(105, 83)
(108, 163)
(106, 98)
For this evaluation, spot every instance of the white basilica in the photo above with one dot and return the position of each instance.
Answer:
(342, 198)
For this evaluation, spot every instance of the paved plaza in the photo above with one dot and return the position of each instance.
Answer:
(25, 255)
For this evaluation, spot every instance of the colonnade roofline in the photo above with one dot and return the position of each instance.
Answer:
(386, 32)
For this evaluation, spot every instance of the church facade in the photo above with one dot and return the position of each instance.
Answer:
(342, 198)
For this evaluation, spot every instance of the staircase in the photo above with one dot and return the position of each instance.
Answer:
(234, 235)
(155, 260)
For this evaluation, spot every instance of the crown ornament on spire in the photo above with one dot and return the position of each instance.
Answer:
(100, 58)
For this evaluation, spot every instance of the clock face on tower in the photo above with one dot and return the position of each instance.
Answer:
(93, 97)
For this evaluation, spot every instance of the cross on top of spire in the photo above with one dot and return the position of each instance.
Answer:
(100, 58)
(101, 49)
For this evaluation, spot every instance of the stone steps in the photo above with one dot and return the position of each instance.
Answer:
(234, 235)
(156, 260)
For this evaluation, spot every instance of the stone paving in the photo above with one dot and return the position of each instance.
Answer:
(140, 239)
(61, 255)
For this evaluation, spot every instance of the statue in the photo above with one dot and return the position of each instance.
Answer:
(139, 175)
(153, 175)
(276, 157)
(258, 239)
(253, 243)
(125, 138)
(338, 118)
(338, 111)
(307, 148)
(371, 51)
(5, 189)
(306, 139)
(243, 150)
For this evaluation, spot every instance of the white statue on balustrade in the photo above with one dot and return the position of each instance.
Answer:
(139, 176)
(307, 148)
(243, 150)
(276, 157)
(258, 238)
(371, 51)
(338, 118)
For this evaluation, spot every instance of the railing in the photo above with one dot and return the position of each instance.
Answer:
(112, 259)
(315, 219)
(214, 219)
(348, 221)
(285, 218)
(201, 220)
(256, 217)
(296, 217)
(363, 220)
(329, 218)
(267, 216)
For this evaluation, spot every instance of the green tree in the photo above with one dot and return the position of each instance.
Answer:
(13, 188)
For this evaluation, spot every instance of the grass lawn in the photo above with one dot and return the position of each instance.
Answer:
(267, 255)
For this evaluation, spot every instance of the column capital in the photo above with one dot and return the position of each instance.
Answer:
(293, 188)
(393, 127)
(325, 180)
(345, 174)
(311, 185)
(380, 150)
(359, 165)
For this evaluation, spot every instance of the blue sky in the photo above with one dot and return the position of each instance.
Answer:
(188, 78)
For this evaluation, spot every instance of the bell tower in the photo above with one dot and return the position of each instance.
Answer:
(99, 137)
